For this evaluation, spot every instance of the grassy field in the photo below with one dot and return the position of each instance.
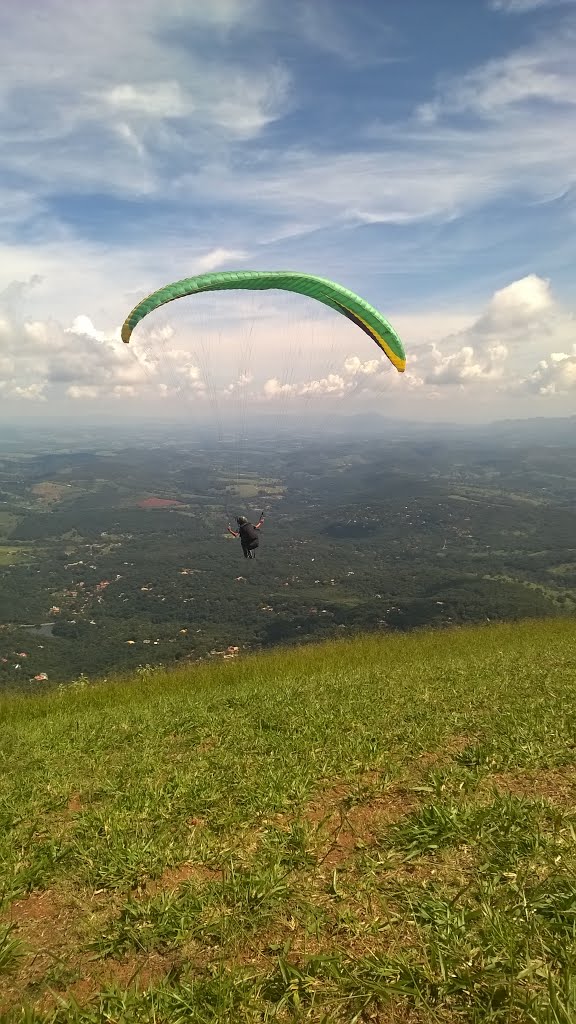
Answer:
(556, 594)
(565, 569)
(379, 830)
(10, 555)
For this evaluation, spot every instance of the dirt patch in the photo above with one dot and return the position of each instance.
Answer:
(47, 925)
(208, 744)
(39, 918)
(49, 491)
(347, 817)
(126, 974)
(449, 867)
(171, 878)
(452, 746)
(159, 503)
(343, 818)
(54, 928)
(398, 1015)
(358, 826)
(57, 964)
(558, 786)
(74, 805)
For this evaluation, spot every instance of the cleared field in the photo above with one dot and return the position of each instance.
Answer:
(51, 492)
(14, 555)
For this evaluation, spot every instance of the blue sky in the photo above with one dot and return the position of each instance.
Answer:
(421, 153)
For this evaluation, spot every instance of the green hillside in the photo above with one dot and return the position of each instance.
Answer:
(372, 830)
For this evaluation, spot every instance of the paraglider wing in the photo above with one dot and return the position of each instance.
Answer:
(334, 295)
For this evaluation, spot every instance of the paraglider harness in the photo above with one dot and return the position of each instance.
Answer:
(248, 534)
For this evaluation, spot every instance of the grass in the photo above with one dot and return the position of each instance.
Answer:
(247, 490)
(10, 555)
(564, 569)
(496, 495)
(556, 594)
(380, 829)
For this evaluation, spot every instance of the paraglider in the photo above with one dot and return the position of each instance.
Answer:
(248, 534)
(356, 309)
(342, 300)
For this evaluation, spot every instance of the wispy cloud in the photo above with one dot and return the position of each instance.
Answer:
(112, 101)
(132, 113)
(143, 144)
(218, 258)
(147, 118)
(357, 38)
(525, 6)
(502, 129)
(543, 73)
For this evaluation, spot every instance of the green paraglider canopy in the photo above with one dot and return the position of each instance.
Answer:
(334, 295)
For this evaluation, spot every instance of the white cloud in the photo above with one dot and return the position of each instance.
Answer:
(439, 168)
(361, 40)
(153, 106)
(40, 360)
(218, 258)
(354, 377)
(82, 391)
(528, 297)
(162, 100)
(134, 112)
(149, 103)
(544, 73)
(522, 313)
(273, 388)
(521, 320)
(525, 6)
(523, 344)
(34, 392)
(114, 103)
(83, 326)
(248, 102)
(553, 376)
(466, 365)
(226, 14)
(356, 368)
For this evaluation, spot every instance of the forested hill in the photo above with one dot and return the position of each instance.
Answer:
(114, 559)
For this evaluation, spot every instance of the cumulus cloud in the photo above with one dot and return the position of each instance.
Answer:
(41, 360)
(355, 377)
(82, 362)
(520, 321)
(522, 344)
(465, 365)
(524, 298)
(273, 388)
(553, 376)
